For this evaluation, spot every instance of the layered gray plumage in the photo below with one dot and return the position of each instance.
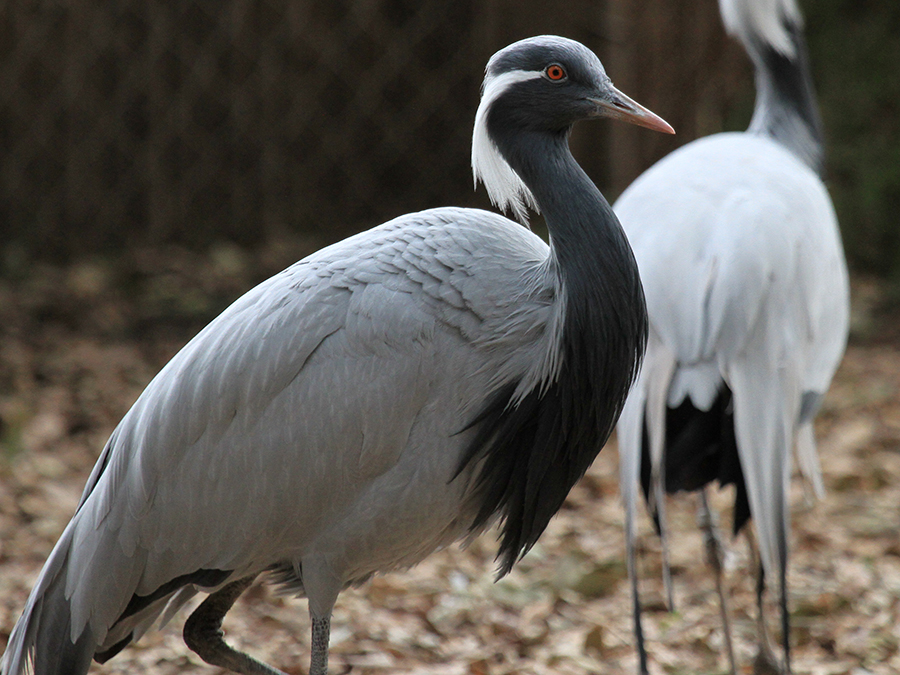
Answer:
(747, 292)
(385, 397)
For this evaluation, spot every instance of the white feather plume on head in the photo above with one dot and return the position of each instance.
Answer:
(504, 186)
(765, 20)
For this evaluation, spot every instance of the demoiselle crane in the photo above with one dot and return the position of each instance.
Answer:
(387, 396)
(747, 293)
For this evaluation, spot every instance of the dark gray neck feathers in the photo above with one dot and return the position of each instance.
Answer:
(530, 454)
(786, 107)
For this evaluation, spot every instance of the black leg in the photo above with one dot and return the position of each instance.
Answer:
(636, 606)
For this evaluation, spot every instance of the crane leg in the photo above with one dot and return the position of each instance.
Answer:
(664, 544)
(636, 600)
(714, 557)
(765, 662)
(203, 633)
(321, 630)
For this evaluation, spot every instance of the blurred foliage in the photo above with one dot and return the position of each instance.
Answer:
(855, 51)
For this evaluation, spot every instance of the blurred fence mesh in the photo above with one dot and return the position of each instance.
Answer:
(145, 122)
(150, 121)
(136, 121)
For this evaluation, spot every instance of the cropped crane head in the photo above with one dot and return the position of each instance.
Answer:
(775, 23)
(541, 85)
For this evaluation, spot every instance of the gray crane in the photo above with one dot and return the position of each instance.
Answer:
(385, 397)
(747, 293)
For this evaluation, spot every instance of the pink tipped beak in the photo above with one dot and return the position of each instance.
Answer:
(618, 106)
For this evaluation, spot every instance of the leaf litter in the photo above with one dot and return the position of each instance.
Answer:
(79, 345)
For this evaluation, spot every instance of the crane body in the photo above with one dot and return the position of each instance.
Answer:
(747, 292)
(381, 399)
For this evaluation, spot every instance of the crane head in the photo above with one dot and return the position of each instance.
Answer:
(543, 84)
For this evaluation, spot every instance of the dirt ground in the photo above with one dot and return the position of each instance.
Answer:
(80, 343)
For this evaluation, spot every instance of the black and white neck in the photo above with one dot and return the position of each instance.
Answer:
(786, 110)
(520, 151)
(534, 444)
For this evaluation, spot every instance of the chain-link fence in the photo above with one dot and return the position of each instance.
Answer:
(135, 121)
(142, 122)
(153, 121)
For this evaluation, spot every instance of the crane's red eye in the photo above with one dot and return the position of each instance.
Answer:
(555, 72)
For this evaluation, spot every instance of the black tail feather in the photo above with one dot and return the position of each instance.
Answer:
(700, 448)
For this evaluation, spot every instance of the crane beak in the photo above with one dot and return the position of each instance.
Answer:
(618, 106)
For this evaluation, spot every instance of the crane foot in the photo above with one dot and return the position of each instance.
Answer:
(203, 633)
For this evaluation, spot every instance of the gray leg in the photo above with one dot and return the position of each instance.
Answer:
(203, 633)
(765, 662)
(664, 544)
(321, 629)
(714, 555)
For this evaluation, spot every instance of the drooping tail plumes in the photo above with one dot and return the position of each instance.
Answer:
(41, 642)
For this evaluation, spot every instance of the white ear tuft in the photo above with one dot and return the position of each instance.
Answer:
(504, 186)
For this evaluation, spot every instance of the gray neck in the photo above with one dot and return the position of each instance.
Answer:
(786, 109)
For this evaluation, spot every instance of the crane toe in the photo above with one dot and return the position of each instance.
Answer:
(203, 633)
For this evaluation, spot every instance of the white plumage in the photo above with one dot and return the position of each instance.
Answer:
(747, 293)
(504, 186)
(747, 282)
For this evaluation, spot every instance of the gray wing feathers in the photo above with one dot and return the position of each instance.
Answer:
(43, 639)
(221, 415)
(307, 389)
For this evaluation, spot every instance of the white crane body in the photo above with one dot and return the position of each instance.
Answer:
(747, 293)
(746, 287)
